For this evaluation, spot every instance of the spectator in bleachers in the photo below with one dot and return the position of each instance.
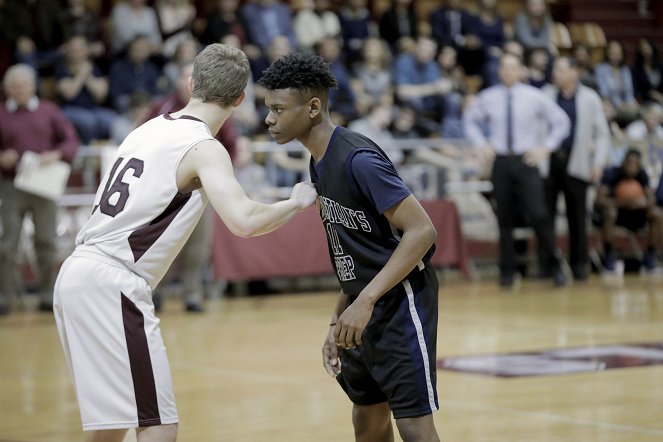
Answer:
(647, 73)
(399, 21)
(419, 82)
(77, 19)
(452, 101)
(514, 48)
(406, 125)
(373, 82)
(342, 100)
(34, 31)
(186, 51)
(356, 26)
(646, 134)
(251, 175)
(453, 25)
(313, 22)
(579, 160)
(633, 210)
(245, 116)
(176, 101)
(586, 73)
(223, 20)
(538, 68)
(29, 124)
(489, 28)
(518, 126)
(175, 22)
(267, 19)
(131, 19)
(123, 124)
(533, 27)
(133, 72)
(82, 90)
(375, 125)
(278, 47)
(450, 23)
(616, 84)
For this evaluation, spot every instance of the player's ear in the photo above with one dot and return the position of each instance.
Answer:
(315, 107)
(192, 84)
(239, 99)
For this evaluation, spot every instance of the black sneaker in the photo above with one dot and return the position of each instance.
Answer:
(194, 307)
(46, 306)
(559, 278)
(506, 281)
(649, 261)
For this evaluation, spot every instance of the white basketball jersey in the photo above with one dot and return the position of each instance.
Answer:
(139, 216)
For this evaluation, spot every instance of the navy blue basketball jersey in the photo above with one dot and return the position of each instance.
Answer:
(356, 184)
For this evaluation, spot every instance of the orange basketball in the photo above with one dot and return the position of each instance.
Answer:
(629, 189)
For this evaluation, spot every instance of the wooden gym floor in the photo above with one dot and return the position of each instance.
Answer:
(249, 369)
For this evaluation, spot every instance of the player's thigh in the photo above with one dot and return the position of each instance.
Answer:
(402, 345)
(113, 344)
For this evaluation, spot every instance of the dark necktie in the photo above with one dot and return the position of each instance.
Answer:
(509, 121)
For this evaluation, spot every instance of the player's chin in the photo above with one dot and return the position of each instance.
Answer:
(281, 139)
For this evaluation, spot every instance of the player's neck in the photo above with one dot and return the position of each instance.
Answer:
(211, 114)
(318, 139)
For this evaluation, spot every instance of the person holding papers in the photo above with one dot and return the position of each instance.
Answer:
(28, 124)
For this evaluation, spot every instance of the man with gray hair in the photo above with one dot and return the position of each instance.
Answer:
(518, 126)
(580, 159)
(147, 205)
(29, 124)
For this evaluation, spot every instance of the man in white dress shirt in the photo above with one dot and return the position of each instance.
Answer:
(519, 126)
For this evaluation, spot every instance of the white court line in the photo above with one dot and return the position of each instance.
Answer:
(551, 417)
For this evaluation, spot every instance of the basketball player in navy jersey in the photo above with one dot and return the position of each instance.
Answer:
(149, 201)
(382, 337)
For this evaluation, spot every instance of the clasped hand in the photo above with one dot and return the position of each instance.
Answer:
(304, 193)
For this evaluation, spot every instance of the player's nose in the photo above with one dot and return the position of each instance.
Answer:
(269, 119)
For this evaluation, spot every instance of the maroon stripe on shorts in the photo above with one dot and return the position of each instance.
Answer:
(140, 240)
(141, 365)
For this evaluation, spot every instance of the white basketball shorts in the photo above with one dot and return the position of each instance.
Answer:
(112, 342)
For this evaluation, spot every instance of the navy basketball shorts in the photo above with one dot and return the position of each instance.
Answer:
(396, 361)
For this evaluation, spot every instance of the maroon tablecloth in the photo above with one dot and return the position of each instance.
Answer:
(300, 247)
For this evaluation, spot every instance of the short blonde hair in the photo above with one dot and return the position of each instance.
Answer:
(220, 74)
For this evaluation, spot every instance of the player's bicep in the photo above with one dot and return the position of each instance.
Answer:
(408, 214)
(211, 164)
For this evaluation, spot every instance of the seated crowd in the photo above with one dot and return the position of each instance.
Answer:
(398, 79)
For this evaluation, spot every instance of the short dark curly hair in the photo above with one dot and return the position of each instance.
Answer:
(299, 71)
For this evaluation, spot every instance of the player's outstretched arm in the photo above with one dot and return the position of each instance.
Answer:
(209, 163)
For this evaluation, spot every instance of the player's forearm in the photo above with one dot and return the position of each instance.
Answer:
(264, 218)
(413, 246)
(341, 305)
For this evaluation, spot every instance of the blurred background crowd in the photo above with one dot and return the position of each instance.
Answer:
(408, 70)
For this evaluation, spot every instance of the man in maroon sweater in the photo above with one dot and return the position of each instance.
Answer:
(29, 124)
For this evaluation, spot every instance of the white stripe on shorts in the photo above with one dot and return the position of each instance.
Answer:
(422, 343)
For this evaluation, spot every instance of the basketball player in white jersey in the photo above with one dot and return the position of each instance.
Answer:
(146, 206)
